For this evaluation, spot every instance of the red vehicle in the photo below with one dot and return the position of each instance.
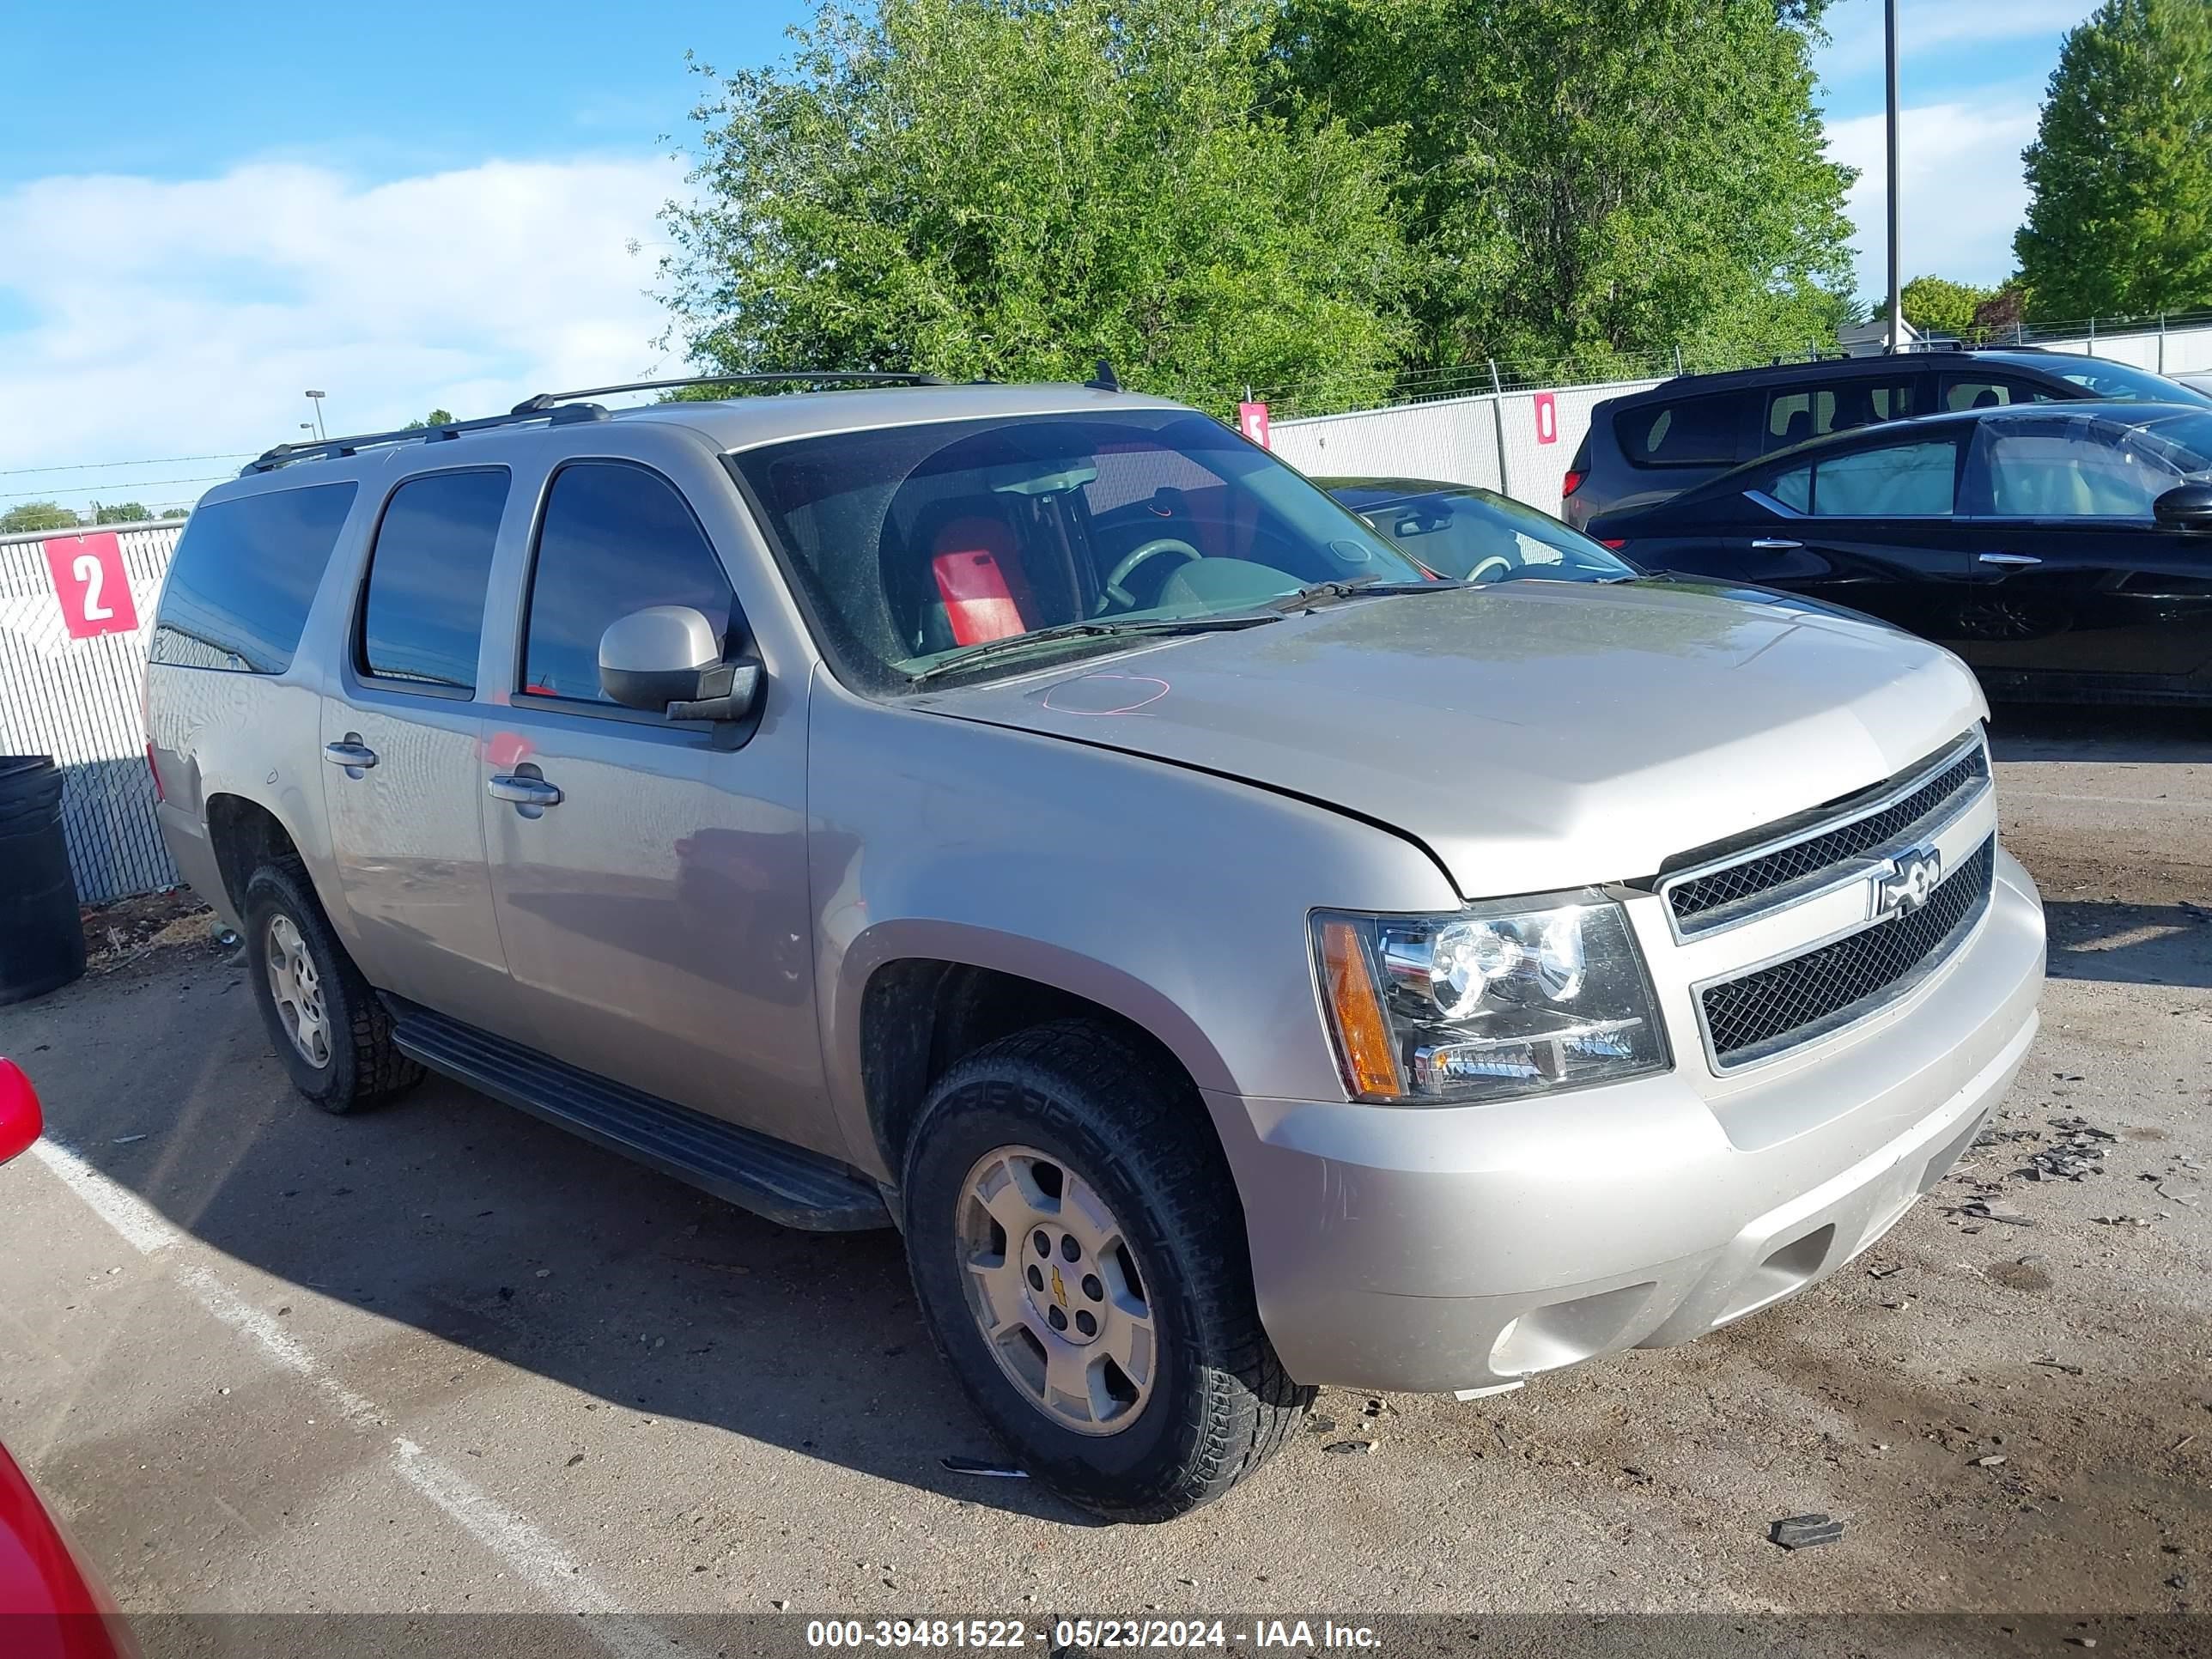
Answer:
(52, 1606)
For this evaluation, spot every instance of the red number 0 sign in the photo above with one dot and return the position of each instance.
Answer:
(89, 582)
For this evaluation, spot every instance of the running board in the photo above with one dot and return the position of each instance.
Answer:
(785, 1184)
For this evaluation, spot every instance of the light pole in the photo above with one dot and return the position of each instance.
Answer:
(316, 397)
(1896, 292)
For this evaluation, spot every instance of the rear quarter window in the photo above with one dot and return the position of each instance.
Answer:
(243, 577)
(1704, 431)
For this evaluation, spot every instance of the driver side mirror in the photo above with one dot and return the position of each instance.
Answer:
(2184, 506)
(667, 658)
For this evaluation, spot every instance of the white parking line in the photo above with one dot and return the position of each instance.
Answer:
(529, 1554)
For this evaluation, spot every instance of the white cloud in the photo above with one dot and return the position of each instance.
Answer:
(1962, 188)
(1856, 40)
(148, 317)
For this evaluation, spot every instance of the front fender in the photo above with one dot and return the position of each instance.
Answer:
(1176, 898)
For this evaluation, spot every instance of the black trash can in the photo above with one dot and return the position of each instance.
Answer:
(41, 940)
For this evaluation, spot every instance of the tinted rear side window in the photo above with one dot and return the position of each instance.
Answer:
(244, 574)
(616, 538)
(1974, 392)
(423, 613)
(1688, 432)
(1793, 416)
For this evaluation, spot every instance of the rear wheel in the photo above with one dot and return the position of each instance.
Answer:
(326, 1024)
(1078, 1248)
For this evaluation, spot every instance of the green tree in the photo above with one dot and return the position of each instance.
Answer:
(1936, 305)
(121, 512)
(1594, 181)
(37, 515)
(1017, 188)
(2119, 222)
(436, 417)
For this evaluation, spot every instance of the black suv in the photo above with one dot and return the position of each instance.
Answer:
(1650, 444)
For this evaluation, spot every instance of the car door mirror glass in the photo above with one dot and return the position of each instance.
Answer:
(659, 655)
(2185, 507)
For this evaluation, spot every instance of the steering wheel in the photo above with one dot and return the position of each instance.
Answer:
(1120, 595)
(1497, 562)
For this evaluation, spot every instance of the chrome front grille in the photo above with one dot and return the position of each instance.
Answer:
(1777, 1007)
(1717, 888)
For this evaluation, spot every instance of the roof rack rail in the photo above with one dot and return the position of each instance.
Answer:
(546, 400)
(322, 448)
(559, 408)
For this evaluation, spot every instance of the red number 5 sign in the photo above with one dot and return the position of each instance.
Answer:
(88, 581)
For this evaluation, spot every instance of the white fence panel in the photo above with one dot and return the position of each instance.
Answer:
(1490, 440)
(78, 701)
(1452, 439)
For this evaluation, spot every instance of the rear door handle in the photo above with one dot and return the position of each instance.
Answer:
(2008, 558)
(523, 792)
(353, 754)
(1774, 544)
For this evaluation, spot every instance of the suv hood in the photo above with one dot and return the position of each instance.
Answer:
(1533, 735)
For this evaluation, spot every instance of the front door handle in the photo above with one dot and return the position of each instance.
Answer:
(1774, 544)
(523, 791)
(2008, 558)
(353, 754)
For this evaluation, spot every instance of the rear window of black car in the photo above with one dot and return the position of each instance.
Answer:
(243, 577)
(1703, 431)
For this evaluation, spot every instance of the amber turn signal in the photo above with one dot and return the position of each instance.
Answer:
(1363, 1035)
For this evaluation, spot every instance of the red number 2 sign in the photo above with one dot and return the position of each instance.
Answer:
(89, 582)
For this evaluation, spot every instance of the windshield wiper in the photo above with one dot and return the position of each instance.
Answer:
(1014, 644)
(1356, 587)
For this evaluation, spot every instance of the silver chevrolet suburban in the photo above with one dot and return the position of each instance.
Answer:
(1034, 817)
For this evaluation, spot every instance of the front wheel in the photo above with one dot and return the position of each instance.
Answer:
(1078, 1248)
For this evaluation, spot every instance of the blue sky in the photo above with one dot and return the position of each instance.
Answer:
(386, 90)
(455, 205)
(1971, 76)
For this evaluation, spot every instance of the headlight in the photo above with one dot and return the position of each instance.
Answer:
(1488, 1003)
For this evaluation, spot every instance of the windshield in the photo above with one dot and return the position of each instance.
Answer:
(910, 545)
(2130, 385)
(1475, 536)
(2183, 440)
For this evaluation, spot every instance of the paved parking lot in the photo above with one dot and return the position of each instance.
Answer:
(443, 1358)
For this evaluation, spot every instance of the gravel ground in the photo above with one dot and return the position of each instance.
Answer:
(443, 1359)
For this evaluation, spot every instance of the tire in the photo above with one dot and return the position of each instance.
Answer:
(358, 1064)
(1217, 1403)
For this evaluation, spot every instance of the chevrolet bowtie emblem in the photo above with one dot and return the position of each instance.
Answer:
(1059, 1288)
(1908, 884)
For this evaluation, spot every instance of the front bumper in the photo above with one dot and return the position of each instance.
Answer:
(1459, 1248)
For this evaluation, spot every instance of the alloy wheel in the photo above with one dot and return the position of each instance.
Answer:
(297, 990)
(1056, 1291)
